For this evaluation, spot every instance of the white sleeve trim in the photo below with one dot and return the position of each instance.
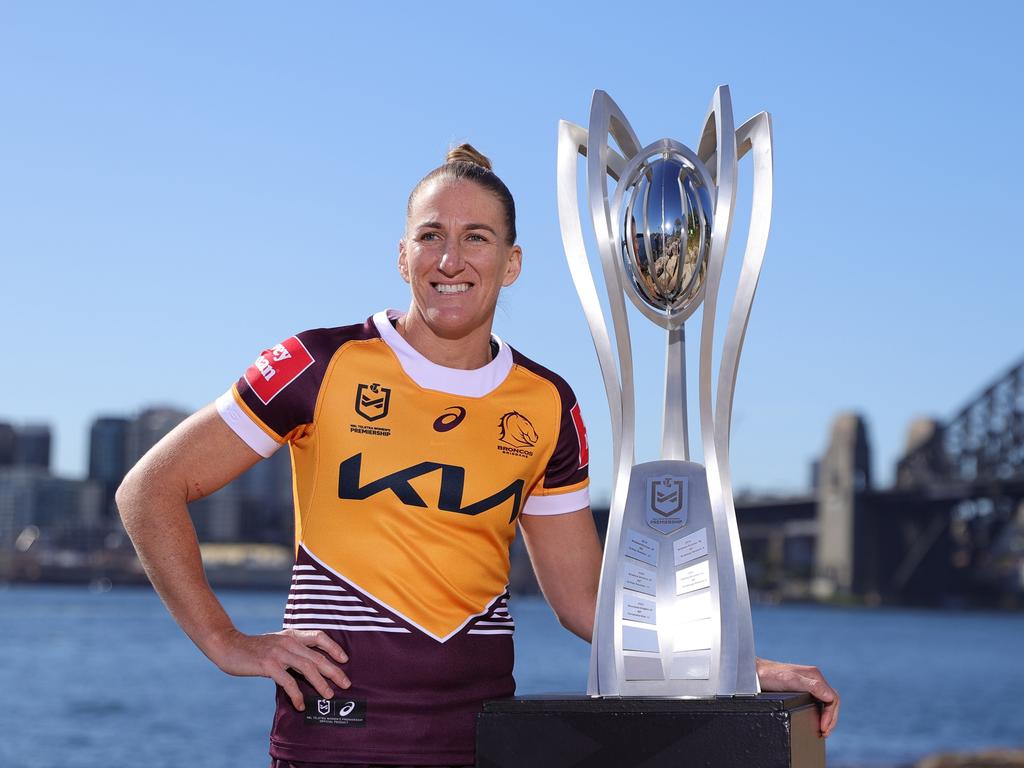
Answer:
(557, 503)
(242, 425)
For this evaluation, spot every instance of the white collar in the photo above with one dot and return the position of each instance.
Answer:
(429, 375)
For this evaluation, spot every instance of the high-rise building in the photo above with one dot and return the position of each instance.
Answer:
(108, 446)
(219, 516)
(68, 513)
(16, 502)
(267, 500)
(8, 437)
(108, 456)
(32, 446)
(147, 428)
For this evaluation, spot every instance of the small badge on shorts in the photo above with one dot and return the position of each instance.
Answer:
(339, 712)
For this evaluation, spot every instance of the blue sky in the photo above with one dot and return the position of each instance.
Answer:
(183, 185)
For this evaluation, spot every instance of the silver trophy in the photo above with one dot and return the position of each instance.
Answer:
(673, 611)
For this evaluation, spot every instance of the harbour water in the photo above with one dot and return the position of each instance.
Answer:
(97, 679)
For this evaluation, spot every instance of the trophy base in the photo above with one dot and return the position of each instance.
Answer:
(776, 730)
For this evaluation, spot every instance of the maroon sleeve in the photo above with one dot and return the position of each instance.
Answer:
(568, 465)
(281, 386)
(571, 458)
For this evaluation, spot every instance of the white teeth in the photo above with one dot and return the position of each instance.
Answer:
(457, 288)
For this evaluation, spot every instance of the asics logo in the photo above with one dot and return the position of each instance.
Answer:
(450, 419)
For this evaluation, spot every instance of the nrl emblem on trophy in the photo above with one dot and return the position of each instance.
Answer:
(673, 611)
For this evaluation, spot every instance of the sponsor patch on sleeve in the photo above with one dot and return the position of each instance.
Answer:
(277, 367)
(581, 435)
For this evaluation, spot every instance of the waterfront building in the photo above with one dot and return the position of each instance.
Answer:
(7, 440)
(32, 446)
(108, 456)
(67, 513)
(218, 517)
(147, 428)
(266, 492)
(255, 507)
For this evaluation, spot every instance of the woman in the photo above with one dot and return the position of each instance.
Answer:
(418, 440)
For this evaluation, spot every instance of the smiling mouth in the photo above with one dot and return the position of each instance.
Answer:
(452, 287)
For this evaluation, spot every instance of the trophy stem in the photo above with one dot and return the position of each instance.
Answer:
(675, 437)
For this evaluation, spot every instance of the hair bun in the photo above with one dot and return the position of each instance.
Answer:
(467, 153)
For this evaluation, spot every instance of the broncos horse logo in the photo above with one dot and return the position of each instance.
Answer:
(516, 430)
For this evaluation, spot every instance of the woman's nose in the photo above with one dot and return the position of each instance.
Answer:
(451, 260)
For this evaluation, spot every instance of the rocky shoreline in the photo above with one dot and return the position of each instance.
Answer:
(989, 758)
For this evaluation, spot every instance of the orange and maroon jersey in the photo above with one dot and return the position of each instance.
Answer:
(408, 478)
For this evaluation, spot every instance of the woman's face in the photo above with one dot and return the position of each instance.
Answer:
(455, 257)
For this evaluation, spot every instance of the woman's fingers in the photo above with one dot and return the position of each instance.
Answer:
(308, 668)
(289, 686)
(322, 640)
(324, 666)
(311, 655)
(830, 717)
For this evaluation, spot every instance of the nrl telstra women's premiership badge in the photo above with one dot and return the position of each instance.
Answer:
(666, 503)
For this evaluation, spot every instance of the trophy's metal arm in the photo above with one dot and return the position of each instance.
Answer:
(719, 138)
(755, 136)
(606, 118)
(572, 142)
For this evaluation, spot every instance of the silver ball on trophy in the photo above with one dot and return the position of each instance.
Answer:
(666, 226)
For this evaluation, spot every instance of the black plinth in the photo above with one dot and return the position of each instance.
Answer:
(772, 730)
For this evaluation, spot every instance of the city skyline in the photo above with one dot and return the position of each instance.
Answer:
(101, 466)
(79, 515)
(185, 187)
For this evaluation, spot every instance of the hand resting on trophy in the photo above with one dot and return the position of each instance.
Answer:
(780, 676)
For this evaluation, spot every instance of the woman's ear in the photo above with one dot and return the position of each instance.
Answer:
(514, 266)
(403, 262)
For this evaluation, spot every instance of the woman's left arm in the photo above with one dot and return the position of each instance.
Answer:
(566, 557)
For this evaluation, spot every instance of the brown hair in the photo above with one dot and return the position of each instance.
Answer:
(465, 162)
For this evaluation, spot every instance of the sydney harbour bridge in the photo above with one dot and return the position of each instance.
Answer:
(949, 532)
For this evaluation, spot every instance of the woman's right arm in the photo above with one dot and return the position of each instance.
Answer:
(199, 456)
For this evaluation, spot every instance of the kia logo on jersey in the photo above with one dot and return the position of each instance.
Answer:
(372, 401)
(449, 493)
(450, 419)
